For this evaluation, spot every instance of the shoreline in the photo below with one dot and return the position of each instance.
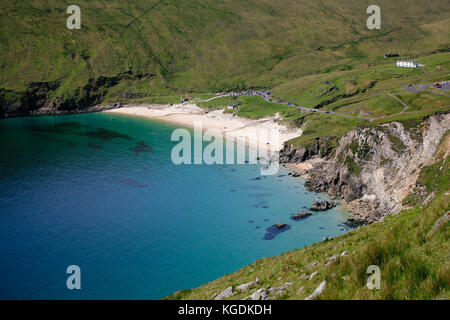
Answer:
(353, 208)
(247, 131)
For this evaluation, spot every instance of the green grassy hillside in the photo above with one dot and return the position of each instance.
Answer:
(174, 46)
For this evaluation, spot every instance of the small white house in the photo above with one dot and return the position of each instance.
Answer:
(408, 64)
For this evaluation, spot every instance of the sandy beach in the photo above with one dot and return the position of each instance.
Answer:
(264, 133)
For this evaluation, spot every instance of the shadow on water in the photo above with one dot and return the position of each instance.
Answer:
(273, 231)
(76, 128)
(94, 146)
(105, 134)
(58, 128)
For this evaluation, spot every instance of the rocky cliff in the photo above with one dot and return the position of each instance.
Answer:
(373, 169)
(42, 98)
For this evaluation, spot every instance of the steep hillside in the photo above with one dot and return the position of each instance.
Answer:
(132, 49)
(374, 167)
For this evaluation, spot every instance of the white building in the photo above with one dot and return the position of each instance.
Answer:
(408, 64)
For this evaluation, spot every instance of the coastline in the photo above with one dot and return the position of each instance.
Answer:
(234, 127)
(241, 129)
(354, 208)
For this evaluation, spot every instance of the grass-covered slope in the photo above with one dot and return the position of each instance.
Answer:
(376, 93)
(411, 249)
(172, 46)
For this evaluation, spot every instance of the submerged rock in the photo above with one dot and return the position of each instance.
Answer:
(142, 147)
(273, 231)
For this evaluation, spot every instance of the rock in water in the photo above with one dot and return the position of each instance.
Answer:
(280, 226)
(301, 215)
(322, 205)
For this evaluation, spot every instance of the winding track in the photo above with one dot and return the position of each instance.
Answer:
(302, 109)
(265, 96)
(405, 106)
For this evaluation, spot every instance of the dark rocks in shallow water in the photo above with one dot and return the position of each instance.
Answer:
(273, 231)
(280, 226)
(94, 146)
(255, 179)
(233, 190)
(142, 147)
(58, 128)
(343, 226)
(257, 227)
(301, 215)
(265, 220)
(251, 221)
(105, 134)
(265, 207)
(354, 223)
(322, 205)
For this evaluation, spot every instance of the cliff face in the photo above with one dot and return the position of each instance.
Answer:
(40, 98)
(375, 168)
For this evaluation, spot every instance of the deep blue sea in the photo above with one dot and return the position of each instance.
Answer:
(103, 194)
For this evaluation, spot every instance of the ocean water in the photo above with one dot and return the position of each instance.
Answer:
(104, 195)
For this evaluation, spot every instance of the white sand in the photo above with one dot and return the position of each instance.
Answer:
(256, 132)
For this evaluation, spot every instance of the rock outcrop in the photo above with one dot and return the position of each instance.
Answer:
(318, 291)
(322, 205)
(228, 292)
(244, 287)
(376, 166)
(41, 98)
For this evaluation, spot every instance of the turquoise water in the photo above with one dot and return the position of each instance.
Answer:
(104, 195)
